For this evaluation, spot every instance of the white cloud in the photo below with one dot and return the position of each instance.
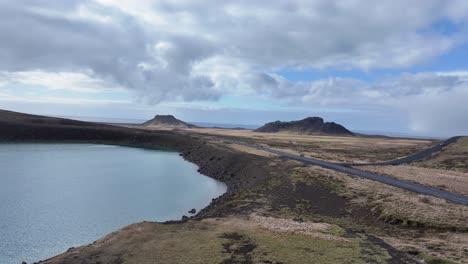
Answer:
(73, 81)
(433, 102)
(173, 40)
(5, 97)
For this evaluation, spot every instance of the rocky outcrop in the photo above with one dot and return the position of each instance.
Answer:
(167, 121)
(309, 125)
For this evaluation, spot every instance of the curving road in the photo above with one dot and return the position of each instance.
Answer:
(417, 156)
(409, 186)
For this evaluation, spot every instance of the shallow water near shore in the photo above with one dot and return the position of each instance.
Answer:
(57, 196)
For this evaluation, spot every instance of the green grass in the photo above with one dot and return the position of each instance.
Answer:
(219, 242)
(301, 249)
(433, 260)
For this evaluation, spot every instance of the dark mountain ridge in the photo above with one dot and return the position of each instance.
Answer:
(309, 125)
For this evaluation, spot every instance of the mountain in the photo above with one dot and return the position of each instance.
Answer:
(167, 121)
(309, 125)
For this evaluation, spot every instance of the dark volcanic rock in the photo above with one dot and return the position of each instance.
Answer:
(168, 121)
(309, 125)
(192, 211)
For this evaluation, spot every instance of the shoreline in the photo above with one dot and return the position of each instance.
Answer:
(190, 148)
(101, 214)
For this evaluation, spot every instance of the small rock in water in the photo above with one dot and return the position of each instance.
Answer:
(192, 211)
(24, 262)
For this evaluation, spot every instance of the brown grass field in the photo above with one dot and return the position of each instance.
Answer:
(454, 157)
(330, 148)
(452, 181)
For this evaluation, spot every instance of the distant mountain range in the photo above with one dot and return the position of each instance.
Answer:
(309, 125)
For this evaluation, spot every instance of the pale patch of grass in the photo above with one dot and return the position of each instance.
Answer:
(251, 150)
(443, 179)
(319, 230)
(331, 148)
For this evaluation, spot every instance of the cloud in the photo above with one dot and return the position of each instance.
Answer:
(443, 114)
(73, 81)
(60, 100)
(176, 50)
(432, 102)
(156, 47)
(311, 33)
(57, 37)
(435, 102)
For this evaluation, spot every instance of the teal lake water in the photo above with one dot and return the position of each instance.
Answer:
(56, 196)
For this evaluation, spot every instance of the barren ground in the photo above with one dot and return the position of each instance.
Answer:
(277, 210)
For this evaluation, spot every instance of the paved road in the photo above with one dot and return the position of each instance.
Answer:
(409, 186)
(417, 156)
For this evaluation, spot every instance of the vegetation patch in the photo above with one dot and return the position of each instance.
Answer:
(239, 247)
(222, 240)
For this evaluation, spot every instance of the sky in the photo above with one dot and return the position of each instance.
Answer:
(390, 66)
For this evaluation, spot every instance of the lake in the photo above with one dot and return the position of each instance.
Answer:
(56, 196)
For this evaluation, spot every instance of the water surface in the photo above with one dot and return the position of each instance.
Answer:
(55, 196)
